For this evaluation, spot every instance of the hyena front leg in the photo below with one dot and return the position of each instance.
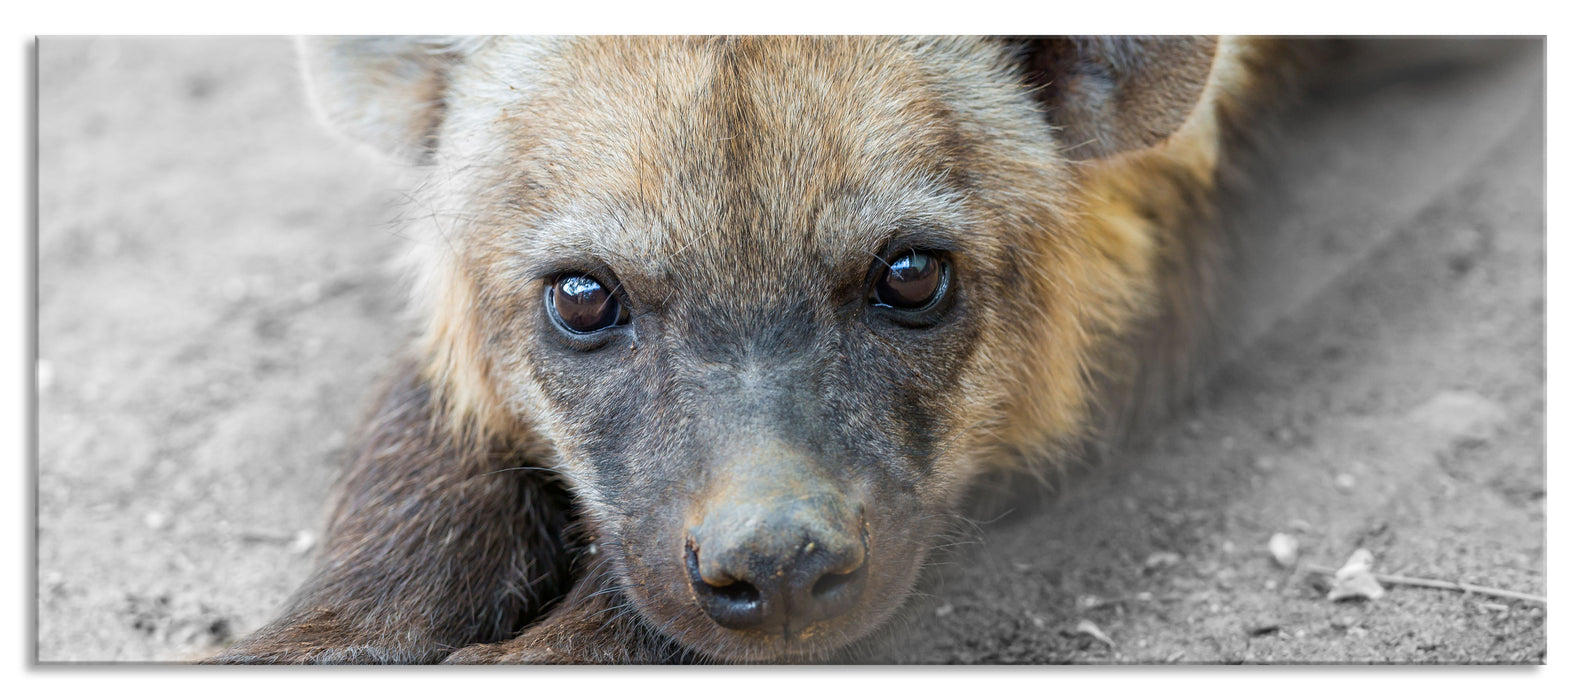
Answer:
(435, 543)
(593, 625)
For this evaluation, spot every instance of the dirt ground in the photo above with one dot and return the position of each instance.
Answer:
(214, 307)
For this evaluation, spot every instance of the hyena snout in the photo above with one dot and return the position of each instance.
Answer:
(780, 559)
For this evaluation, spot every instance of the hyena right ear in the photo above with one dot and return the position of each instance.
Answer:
(1112, 94)
(385, 91)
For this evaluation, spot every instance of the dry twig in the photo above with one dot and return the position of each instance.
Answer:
(1436, 583)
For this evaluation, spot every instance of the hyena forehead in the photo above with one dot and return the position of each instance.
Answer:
(657, 150)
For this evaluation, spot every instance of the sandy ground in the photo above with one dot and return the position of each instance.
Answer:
(214, 308)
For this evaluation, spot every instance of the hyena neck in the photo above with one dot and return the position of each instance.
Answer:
(1163, 209)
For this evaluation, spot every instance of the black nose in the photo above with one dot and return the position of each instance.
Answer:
(780, 574)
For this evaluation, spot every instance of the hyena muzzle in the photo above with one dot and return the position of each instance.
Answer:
(719, 331)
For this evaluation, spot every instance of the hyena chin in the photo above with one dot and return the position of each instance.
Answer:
(718, 332)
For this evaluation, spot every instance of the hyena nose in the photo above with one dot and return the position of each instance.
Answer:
(777, 574)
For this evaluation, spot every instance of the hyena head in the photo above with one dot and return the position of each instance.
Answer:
(773, 301)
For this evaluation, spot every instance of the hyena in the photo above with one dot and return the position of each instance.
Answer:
(718, 332)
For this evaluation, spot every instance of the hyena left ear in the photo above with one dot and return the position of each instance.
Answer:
(385, 91)
(1109, 95)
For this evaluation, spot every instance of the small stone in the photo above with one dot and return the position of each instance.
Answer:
(302, 542)
(1345, 482)
(1284, 548)
(944, 610)
(1263, 627)
(1355, 579)
(1088, 628)
(1159, 560)
(155, 520)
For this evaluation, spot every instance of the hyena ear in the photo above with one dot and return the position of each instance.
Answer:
(385, 91)
(1109, 95)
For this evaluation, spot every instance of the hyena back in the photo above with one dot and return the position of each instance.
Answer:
(718, 332)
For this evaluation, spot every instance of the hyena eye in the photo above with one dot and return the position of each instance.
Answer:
(582, 304)
(911, 280)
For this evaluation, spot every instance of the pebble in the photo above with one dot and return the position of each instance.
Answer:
(1263, 627)
(302, 542)
(1159, 560)
(1088, 628)
(1355, 579)
(1345, 482)
(1284, 548)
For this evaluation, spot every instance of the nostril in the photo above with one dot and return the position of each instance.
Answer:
(833, 584)
(735, 605)
(738, 593)
(837, 591)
